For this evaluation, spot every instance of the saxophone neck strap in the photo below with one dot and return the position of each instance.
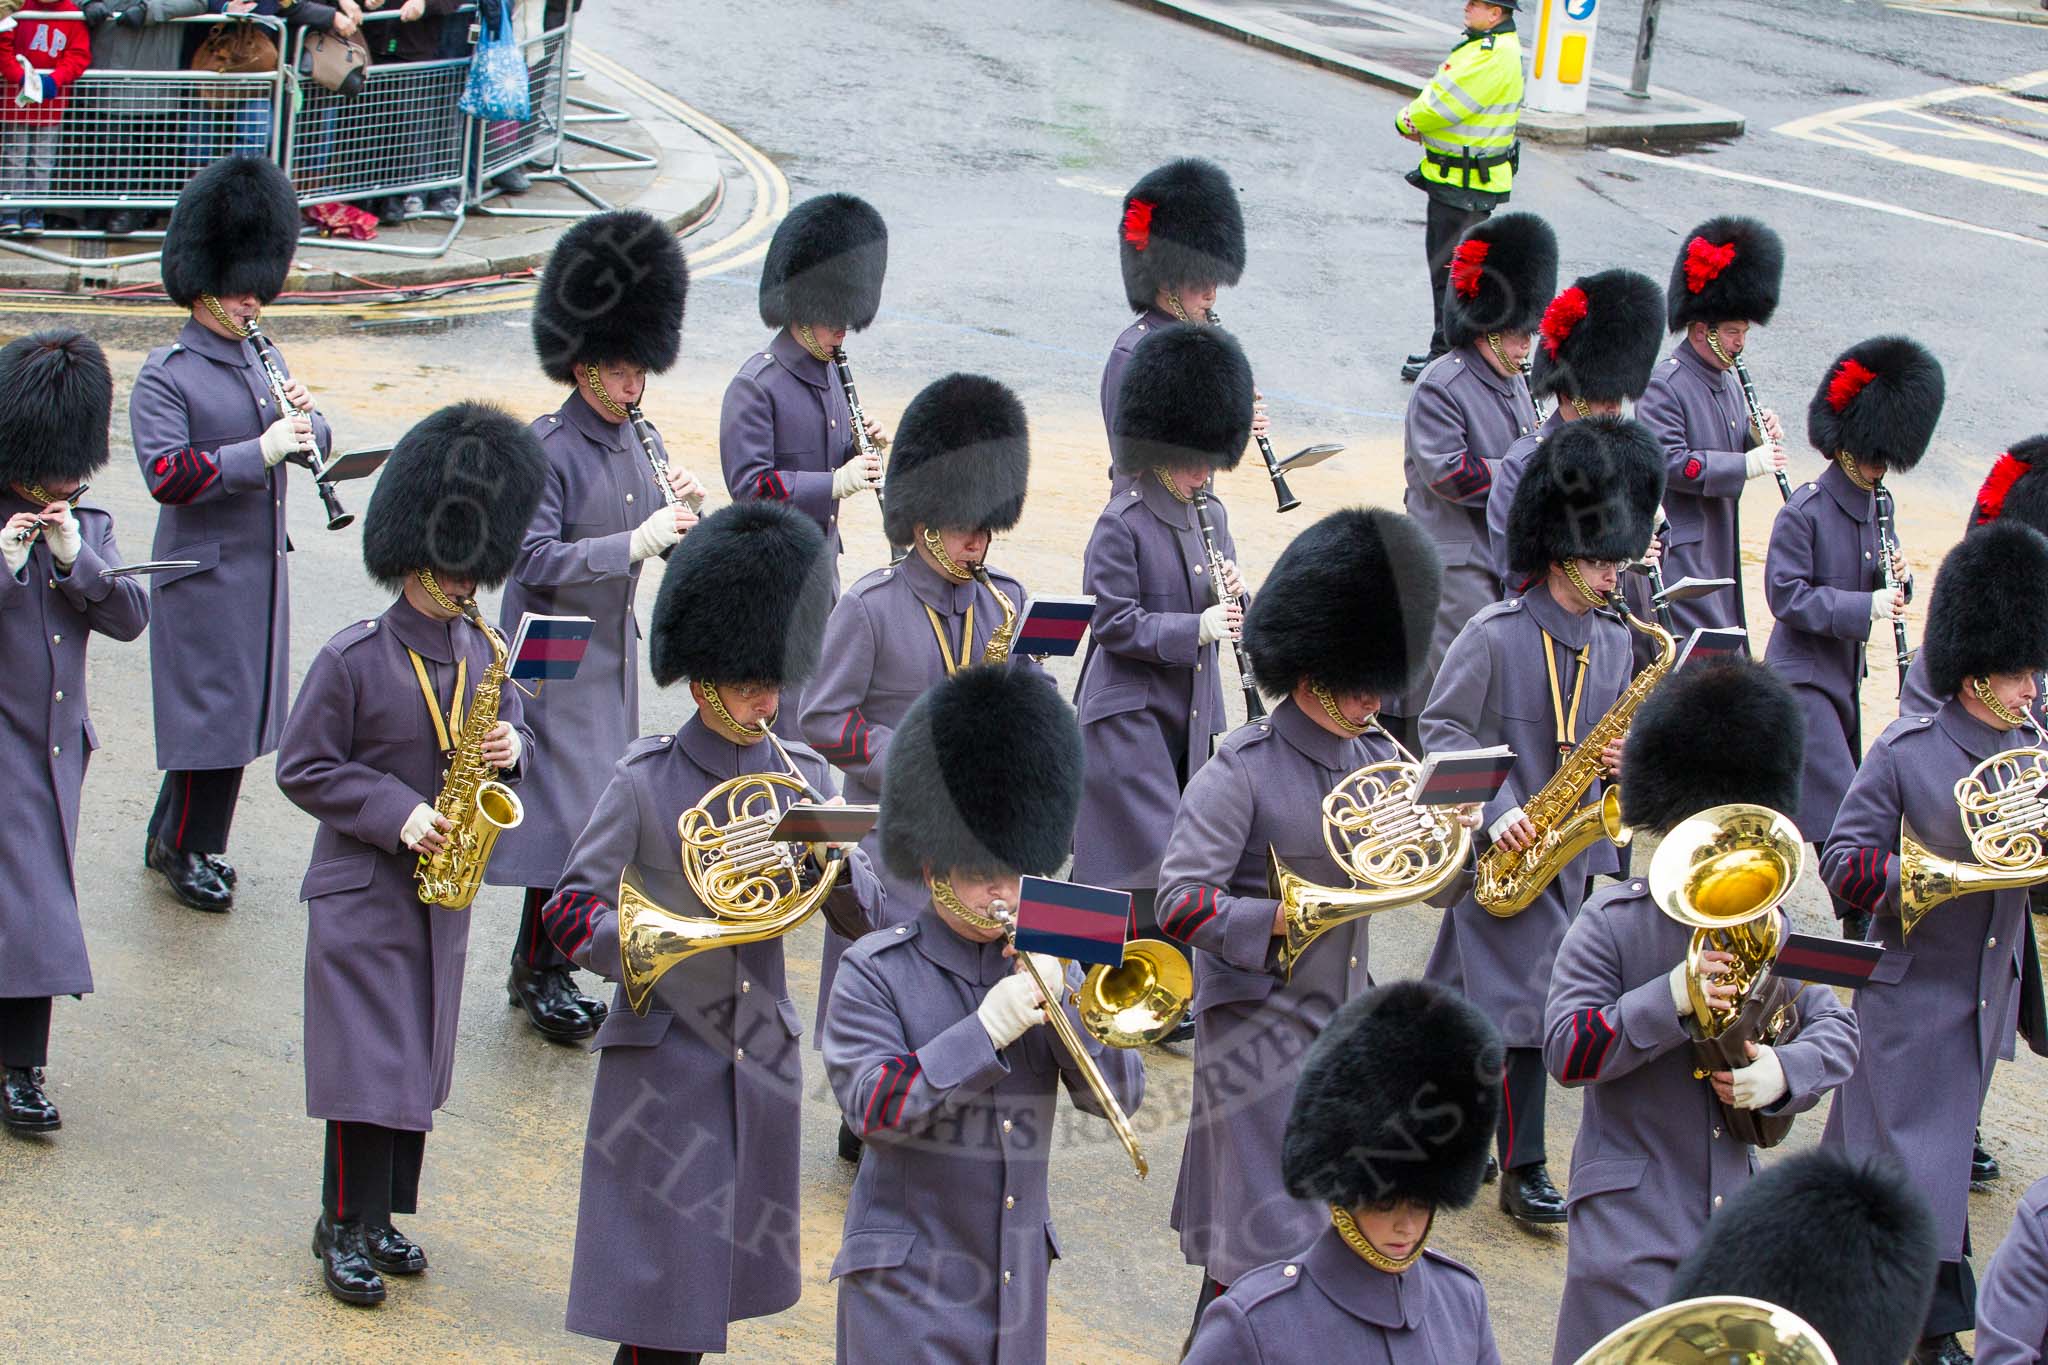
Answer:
(448, 726)
(952, 661)
(1567, 718)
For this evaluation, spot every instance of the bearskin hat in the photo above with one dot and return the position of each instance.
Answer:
(1598, 339)
(1186, 400)
(613, 290)
(1719, 733)
(1349, 604)
(743, 600)
(1590, 491)
(960, 460)
(456, 497)
(1398, 1099)
(56, 398)
(1181, 225)
(234, 231)
(825, 264)
(983, 774)
(2011, 488)
(1503, 273)
(1989, 610)
(1879, 401)
(1847, 1243)
(1728, 270)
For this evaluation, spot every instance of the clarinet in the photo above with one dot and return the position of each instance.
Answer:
(274, 376)
(1288, 502)
(645, 431)
(1756, 419)
(861, 441)
(1887, 542)
(1255, 707)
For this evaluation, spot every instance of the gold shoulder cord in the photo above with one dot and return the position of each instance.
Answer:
(1347, 1228)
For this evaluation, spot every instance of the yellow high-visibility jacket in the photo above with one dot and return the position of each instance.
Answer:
(1466, 114)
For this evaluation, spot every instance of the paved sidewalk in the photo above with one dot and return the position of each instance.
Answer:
(1398, 46)
(683, 187)
(2013, 11)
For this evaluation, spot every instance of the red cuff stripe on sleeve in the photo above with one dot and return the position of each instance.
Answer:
(915, 1069)
(883, 1082)
(182, 475)
(1469, 479)
(1205, 910)
(1592, 1039)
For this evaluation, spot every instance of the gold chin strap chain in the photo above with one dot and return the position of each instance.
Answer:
(1578, 581)
(1508, 366)
(1347, 1228)
(222, 316)
(1173, 305)
(1330, 709)
(1165, 478)
(432, 587)
(809, 341)
(1582, 407)
(1848, 464)
(1982, 687)
(736, 732)
(942, 892)
(946, 563)
(604, 399)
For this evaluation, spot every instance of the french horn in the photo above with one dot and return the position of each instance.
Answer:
(2006, 821)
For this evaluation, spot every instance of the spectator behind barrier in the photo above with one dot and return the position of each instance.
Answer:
(39, 59)
(415, 36)
(136, 134)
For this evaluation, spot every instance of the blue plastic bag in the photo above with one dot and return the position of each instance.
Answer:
(497, 88)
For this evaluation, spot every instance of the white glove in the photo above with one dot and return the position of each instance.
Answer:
(15, 551)
(1758, 462)
(1681, 995)
(1882, 607)
(31, 84)
(1762, 1083)
(65, 541)
(418, 825)
(280, 442)
(1010, 1007)
(850, 478)
(1215, 624)
(655, 534)
(1514, 815)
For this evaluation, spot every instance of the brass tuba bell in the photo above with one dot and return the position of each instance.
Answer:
(1396, 853)
(1722, 872)
(2006, 820)
(1710, 1331)
(1140, 1002)
(751, 884)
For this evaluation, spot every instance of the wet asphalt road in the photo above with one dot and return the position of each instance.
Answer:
(169, 1217)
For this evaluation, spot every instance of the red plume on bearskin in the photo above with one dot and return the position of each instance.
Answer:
(1468, 266)
(1848, 381)
(1138, 224)
(1565, 312)
(1991, 497)
(1704, 262)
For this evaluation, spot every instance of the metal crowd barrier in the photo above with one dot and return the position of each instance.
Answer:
(129, 140)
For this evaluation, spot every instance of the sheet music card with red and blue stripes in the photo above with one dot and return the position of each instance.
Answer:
(1463, 777)
(1827, 961)
(550, 647)
(1080, 923)
(1054, 626)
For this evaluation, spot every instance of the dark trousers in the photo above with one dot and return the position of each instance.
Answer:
(25, 1031)
(533, 948)
(1520, 1135)
(1955, 1297)
(1441, 230)
(372, 1172)
(649, 1355)
(194, 809)
(1211, 1291)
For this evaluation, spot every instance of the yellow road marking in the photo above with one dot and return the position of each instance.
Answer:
(1857, 128)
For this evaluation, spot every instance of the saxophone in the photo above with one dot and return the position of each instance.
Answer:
(1508, 882)
(997, 650)
(475, 803)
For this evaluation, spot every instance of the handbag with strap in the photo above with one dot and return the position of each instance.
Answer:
(335, 63)
(235, 49)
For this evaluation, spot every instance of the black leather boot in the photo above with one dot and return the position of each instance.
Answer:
(1527, 1196)
(23, 1105)
(345, 1262)
(392, 1252)
(192, 877)
(1941, 1350)
(1983, 1166)
(850, 1145)
(1856, 927)
(550, 1001)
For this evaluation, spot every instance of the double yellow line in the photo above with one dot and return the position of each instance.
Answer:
(746, 243)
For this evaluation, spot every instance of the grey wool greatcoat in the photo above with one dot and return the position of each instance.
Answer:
(1818, 577)
(880, 654)
(689, 1218)
(576, 560)
(219, 674)
(1700, 420)
(1146, 323)
(1264, 788)
(1653, 1160)
(383, 970)
(1328, 1305)
(1495, 689)
(48, 739)
(1507, 477)
(1939, 1008)
(2012, 1300)
(1461, 419)
(783, 432)
(949, 1236)
(1151, 696)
